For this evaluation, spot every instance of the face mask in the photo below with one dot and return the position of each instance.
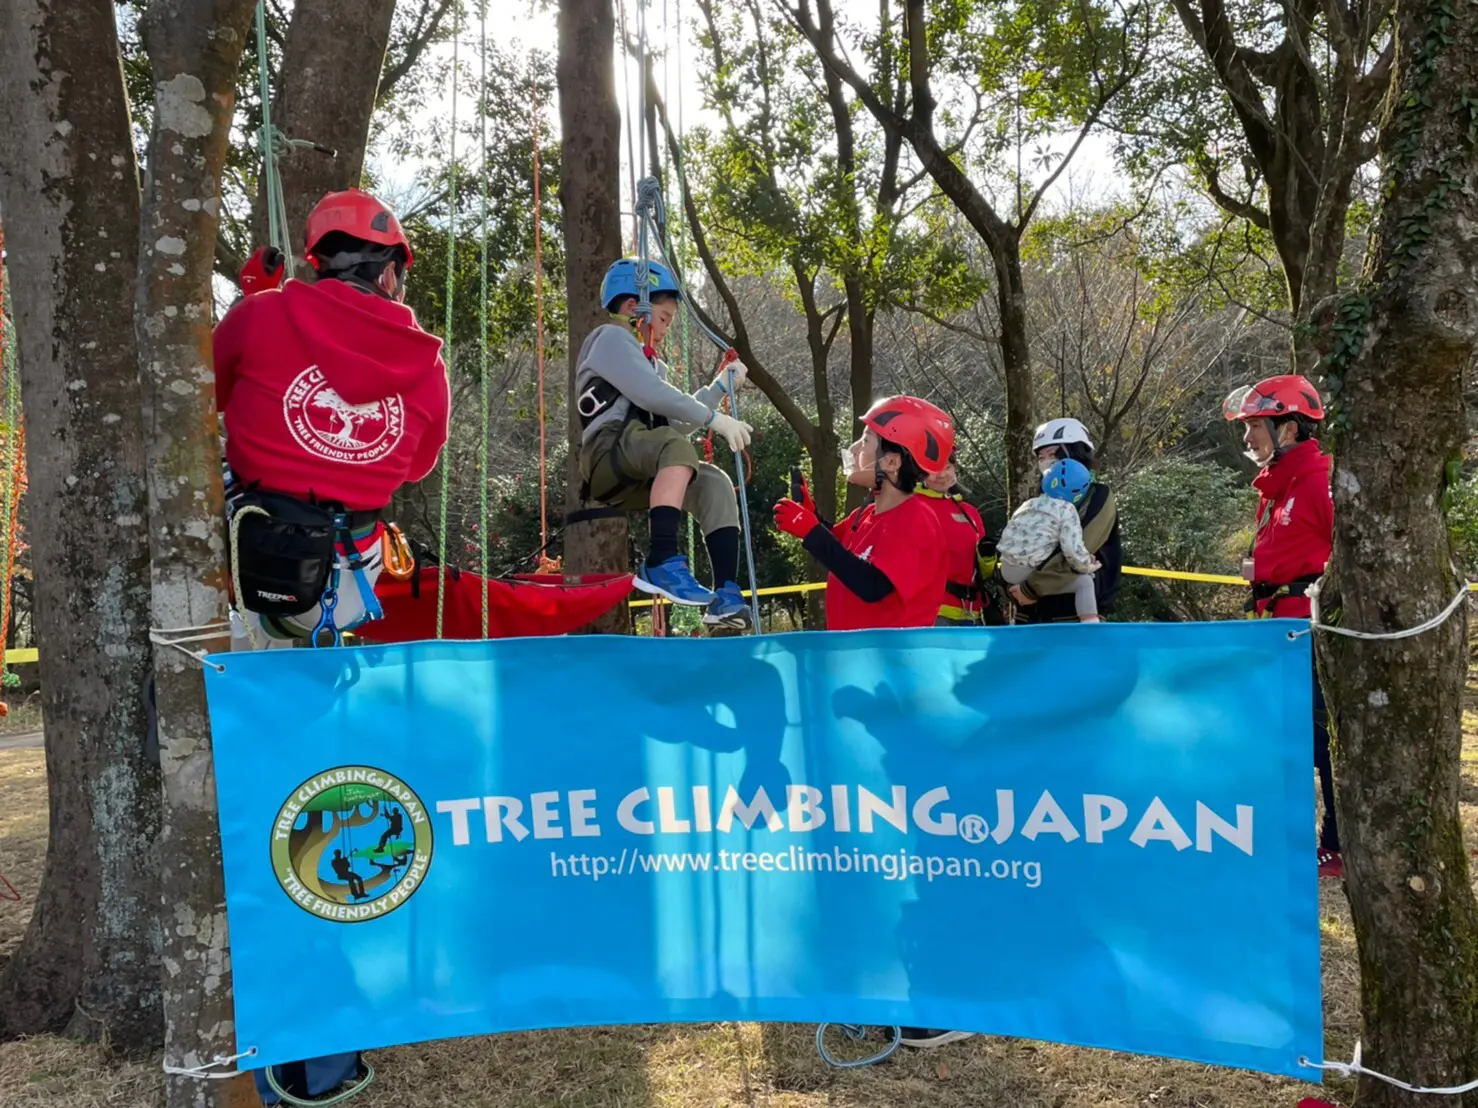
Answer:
(1044, 464)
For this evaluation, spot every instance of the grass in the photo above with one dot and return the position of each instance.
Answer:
(24, 714)
(702, 1065)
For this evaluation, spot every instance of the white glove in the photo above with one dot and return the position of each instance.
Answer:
(740, 372)
(734, 432)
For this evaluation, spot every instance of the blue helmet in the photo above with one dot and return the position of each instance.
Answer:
(1067, 480)
(620, 281)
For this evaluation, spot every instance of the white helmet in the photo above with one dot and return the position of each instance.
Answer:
(1060, 432)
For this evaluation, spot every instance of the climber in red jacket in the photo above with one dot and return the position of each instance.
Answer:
(331, 397)
(1295, 536)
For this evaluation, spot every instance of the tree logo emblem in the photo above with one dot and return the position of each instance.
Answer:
(351, 844)
(325, 424)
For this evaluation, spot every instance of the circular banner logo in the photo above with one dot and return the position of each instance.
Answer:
(328, 426)
(351, 844)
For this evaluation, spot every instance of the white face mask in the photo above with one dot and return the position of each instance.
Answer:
(1044, 464)
(852, 457)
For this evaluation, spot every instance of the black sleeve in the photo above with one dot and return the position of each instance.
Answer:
(865, 579)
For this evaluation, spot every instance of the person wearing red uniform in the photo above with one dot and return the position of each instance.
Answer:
(330, 393)
(1295, 535)
(886, 560)
(962, 531)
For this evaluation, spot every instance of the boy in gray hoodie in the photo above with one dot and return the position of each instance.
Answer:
(635, 449)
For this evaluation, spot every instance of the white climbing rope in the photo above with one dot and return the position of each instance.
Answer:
(1353, 1068)
(1381, 636)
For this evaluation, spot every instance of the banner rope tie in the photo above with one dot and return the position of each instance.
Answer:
(176, 637)
(856, 1032)
(208, 1071)
(1353, 1068)
(1378, 636)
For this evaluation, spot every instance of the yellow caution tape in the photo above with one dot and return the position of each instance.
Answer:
(1180, 575)
(29, 654)
(1168, 574)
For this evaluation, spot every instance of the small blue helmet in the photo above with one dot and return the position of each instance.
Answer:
(620, 281)
(1067, 480)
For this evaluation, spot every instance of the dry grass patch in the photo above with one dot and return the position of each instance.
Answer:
(702, 1065)
(22, 840)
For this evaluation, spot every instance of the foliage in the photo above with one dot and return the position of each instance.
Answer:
(1184, 515)
(1462, 523)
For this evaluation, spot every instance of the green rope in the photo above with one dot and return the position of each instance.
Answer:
(354, 1090)
(482, 453)
(669, 175)
(451, 275)
(276, 204)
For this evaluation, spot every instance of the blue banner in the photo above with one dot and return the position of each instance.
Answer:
(1100, 835)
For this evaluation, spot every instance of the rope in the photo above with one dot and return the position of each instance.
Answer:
(1381, 636)
(855, 1032)
(482, 313)
(323, 1102)
(206, 1071)
(451, 275)
(1353, 1068)
(270, 141)
(14, 461)
(626, 91)
(539, 330)
(175, 638)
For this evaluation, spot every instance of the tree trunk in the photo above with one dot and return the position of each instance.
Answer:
(1021, 467)
(326, 94)
(70, 195)
(194, 48)
(589, 193)
(1399, 703)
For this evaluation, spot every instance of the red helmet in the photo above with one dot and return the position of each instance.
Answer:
(1273, 397)
(925, 431)
(356, 213)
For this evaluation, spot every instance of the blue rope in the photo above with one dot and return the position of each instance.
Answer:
(856, 1032)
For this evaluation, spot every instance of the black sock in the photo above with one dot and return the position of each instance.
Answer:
(723, 552)
(664, 523)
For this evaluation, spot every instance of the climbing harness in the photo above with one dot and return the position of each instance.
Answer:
(651, 216)
(285, 560)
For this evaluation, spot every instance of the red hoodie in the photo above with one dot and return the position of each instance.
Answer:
(329, 393)
(1295, 525)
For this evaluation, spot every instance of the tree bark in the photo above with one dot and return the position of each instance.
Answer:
(589, 193)
(1016, 368)
(89, 960)
(1398, 380)
(326, 94)
(194, 48)
(1307, 135)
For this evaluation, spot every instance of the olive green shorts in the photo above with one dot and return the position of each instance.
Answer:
(621, 461)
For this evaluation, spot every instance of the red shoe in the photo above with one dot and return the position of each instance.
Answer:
(1331, 864)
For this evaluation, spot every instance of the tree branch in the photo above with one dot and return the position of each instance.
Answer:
(428, 26)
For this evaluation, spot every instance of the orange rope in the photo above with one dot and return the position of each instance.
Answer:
(16, 439)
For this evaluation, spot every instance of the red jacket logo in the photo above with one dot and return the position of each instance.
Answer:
(328, 426)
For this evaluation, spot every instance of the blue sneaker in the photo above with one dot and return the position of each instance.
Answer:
(729, 609)
(673, 580)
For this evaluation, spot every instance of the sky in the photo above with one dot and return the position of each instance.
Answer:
(519, 28)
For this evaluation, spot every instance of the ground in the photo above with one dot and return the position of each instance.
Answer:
(700, 1066)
